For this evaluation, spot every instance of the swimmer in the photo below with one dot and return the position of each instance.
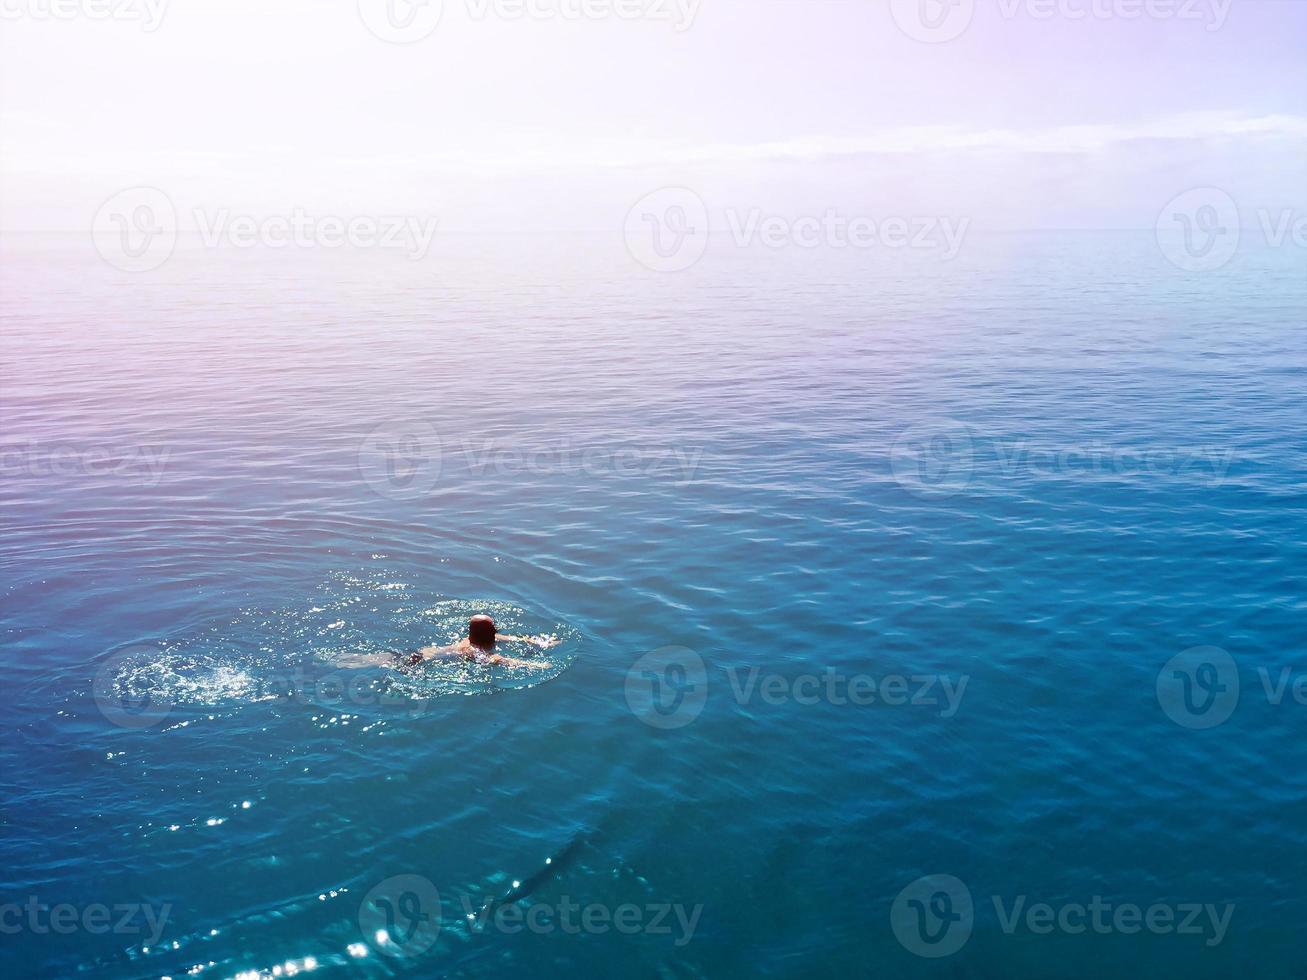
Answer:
(479, 647)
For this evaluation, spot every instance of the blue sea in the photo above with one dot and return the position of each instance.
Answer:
(914, 618)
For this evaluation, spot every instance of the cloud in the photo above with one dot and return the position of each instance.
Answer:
(531, 154)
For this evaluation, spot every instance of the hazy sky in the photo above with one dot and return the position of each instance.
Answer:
(1039, 113)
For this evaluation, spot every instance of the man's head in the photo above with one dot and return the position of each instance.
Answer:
(481, 631)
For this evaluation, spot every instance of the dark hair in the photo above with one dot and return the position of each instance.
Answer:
(481, 631)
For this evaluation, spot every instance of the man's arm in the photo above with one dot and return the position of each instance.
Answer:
(543, 642)
(431, 653)
(358, 661)
(502, 661)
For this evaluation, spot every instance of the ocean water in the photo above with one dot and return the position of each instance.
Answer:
(878, 581)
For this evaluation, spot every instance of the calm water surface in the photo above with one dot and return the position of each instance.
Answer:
(1028, 478)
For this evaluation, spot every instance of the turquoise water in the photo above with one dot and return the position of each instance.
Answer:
(865, 570)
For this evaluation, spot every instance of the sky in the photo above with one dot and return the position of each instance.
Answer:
(558, 114)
